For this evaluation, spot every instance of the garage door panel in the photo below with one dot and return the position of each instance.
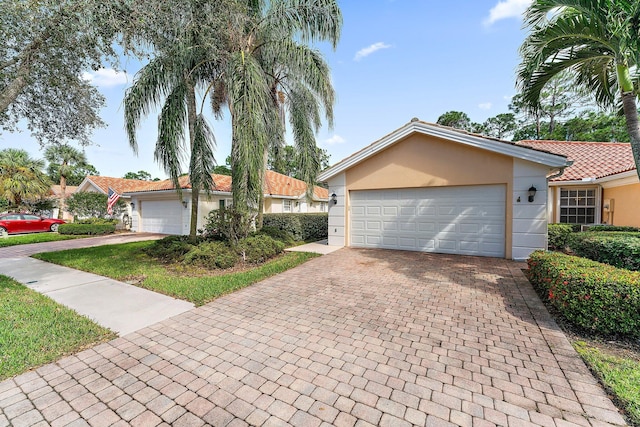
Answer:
(162, 216)
(390, 211)
(465, 220)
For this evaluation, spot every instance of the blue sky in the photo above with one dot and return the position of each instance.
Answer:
(397, 59)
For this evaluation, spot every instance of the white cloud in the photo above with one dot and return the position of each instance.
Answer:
(370, 49)
(106, 77)
(506, 9)
(485, 106)
(335, 139)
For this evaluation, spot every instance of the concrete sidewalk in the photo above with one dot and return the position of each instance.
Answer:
(118, 306)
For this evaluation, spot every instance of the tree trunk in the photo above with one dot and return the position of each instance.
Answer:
(63, 190)
(13, 89)
(260, 219)
(195, 188)
(630, 109)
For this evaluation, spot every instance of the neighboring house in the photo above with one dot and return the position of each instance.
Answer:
(601, 186)
(56, 191)
(101, 184)
(431, 188)
(156, 208)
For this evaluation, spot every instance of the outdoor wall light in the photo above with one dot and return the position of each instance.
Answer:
(334, 199)
(185, 204)
(133, 206)
(532, 193)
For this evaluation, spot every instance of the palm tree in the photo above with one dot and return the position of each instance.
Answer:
(272, 71)
(598, 41)
(21, 178)
(68, 158)
(186, 57)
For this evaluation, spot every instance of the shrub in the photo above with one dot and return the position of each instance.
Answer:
(612, 228)
(93, 220)
(170, 248)
(620, 249)
(302, 226)
(590, 294)
(258, 248)
(277, 234)
(212, 255)
(87, 203)
(226, 224)
(86, 229)
(559, 235)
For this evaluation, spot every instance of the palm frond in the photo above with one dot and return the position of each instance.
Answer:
(170, 146)
(202, 158)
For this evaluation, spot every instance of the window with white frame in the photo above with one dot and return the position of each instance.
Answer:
(578, 206)
(323, 207)
(286, 205)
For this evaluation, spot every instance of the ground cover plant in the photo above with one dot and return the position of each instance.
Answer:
(130, 263)
(26, 239)
(35, 330)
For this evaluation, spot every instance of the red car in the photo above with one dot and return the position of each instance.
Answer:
(27, 223)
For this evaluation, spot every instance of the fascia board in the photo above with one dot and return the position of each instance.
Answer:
(520, 152)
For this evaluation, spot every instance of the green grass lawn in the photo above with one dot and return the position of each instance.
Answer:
(35, 330)
(126, 262)
(621, 375)
(25, 239)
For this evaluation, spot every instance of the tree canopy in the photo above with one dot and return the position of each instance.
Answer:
(22, 180)
(596, 42)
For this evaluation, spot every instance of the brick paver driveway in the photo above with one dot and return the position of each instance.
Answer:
(357, 337)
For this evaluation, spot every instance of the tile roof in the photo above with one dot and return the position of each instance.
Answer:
(590, 159)
(119, 185)
(276, 184)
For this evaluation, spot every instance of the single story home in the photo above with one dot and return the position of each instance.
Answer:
(155, 208)
(426, 187)
(101, 184)
(600, 187)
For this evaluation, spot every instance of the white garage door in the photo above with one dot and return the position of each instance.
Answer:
(162, 216)
(458, 220)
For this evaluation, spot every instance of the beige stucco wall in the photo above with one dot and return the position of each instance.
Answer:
(627, 202)
(425, 161)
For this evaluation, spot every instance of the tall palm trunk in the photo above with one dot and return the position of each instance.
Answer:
(260, 218)
(195, 187)
(630, 108)
(63, 191)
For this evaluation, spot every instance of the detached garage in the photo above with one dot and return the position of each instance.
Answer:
(431, 188)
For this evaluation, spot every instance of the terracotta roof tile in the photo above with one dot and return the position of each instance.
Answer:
(276, 184)
(590, 159)
(119, 185)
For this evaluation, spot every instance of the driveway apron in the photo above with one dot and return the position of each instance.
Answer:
(356, 337)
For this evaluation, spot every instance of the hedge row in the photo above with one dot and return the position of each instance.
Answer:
(302, 226)
(559, 235)
(590, 294)
(605, 227)
(91, 229)
(620, 249)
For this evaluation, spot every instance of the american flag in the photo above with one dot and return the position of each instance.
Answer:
(112, 198)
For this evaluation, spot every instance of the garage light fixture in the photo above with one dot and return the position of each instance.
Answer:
(133, 206)
(532, 193)
(185, 203)
(334, 199)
